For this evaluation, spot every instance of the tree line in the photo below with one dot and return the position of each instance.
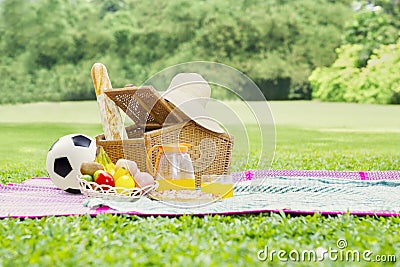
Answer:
(48, 46)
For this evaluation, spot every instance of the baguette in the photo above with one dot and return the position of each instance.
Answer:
(111, 120)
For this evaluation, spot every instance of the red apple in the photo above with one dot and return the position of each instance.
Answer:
(96, 174)
(105, 178)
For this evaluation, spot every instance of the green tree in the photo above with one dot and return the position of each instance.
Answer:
(378, 82)
(49, 46)
(365, 70)
(375, 23)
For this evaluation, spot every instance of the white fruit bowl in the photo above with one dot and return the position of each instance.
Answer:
(92, 189)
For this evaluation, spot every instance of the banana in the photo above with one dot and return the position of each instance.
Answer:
(111, 120)
(105, 160)
(110, 167)
(98, 159)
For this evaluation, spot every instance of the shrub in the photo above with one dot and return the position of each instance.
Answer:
(378, 82)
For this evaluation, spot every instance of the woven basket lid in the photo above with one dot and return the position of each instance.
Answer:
(144, 105)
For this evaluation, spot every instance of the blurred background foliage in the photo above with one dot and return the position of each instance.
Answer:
(367, 64)
(328, 50)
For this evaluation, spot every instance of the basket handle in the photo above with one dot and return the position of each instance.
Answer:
(153, 169)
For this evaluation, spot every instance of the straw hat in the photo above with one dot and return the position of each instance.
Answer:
(190, 93)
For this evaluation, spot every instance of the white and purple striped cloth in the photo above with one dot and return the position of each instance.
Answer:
(291, 191)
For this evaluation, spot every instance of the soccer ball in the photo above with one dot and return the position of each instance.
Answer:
(65, 157)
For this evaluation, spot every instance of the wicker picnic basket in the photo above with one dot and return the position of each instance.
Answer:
(157, 122)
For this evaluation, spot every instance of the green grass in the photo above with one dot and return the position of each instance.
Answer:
(24, 147)
(337, 144)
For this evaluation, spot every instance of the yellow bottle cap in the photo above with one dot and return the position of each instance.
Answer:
(175, 148)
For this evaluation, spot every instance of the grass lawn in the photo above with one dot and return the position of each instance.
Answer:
(309, 135)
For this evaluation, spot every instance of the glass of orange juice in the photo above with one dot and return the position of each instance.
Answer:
(221, 185)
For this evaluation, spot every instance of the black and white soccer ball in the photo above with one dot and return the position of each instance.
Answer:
(65, 157)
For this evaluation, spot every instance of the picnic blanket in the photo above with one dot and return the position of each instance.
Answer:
(290, 191)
